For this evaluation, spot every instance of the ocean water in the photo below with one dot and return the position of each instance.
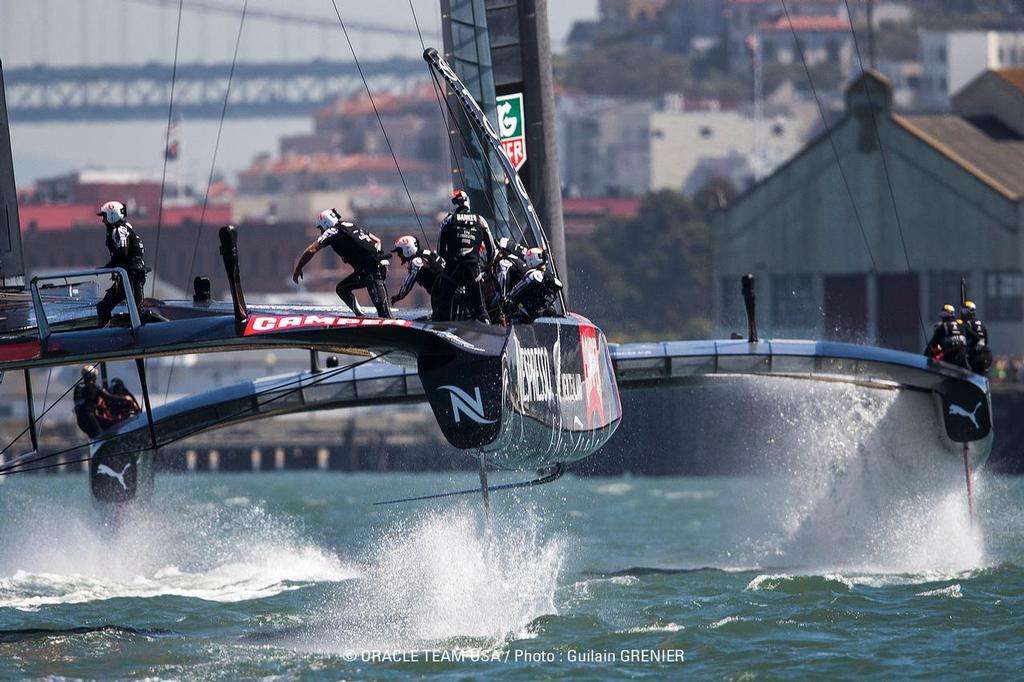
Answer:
(297, 576)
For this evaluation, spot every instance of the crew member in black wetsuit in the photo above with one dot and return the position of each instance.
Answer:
(425, 267)
(358, 248)
(948, 342)
(509, 266)
(979, 355)
(535, 295)
(91, 409)
(467, 247)
(121, 403)
(126, 251)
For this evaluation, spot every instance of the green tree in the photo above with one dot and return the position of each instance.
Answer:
(648, 277)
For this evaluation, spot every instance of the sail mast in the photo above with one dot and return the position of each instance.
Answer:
(12, 264)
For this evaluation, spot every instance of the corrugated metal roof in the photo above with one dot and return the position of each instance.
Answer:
(1014, 77)
(998, 160)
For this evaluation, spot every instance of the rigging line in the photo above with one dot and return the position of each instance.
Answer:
(380, 121)
(479, 171)
(209, 180)
(456, 159)
(43, 413)
(480, 164)
(831, 139)
(885, 162)
(167, 142)
(216, 145)
(18, 466)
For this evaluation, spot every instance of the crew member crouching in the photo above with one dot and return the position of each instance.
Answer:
(425, 267)
(535, 295)
(91, 406)
(358, 248)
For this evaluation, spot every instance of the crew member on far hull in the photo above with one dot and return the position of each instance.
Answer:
(126, 251)
(467, 247)
(425, 267)
(948, 342)
(979, 355)
(361, 250)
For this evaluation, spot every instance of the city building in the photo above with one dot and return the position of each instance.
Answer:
(823, 39)
(347, 163)
(950, 59)
(614, 147)
(817, 21)
(948, 187)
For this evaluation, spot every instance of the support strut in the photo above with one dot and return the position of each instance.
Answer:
(484, 490)
(32, 431)
(967, 475)
(140, 365)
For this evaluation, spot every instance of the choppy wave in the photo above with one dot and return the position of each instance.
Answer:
(783, 582)
(951, 591)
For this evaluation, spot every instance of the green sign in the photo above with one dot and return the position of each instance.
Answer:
(512, 128)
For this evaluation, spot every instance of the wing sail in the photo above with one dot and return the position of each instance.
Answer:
(521, 213)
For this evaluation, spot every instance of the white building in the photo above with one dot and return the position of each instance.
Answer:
(617, 147)
(682, 140)
(951, 59)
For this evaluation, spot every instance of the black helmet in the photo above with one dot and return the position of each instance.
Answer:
(117, 386)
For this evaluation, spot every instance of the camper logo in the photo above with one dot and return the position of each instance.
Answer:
(469, 406)
(512, 128)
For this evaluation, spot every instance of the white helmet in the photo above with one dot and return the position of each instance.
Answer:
(113, 212)
(460, 200)
(407, 247)
(536, 257)
(327, 219)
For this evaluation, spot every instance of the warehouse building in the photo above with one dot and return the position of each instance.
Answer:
(873, 255)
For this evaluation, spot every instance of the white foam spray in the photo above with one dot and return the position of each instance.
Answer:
(214, 553)
(861, 479)
(445, 577)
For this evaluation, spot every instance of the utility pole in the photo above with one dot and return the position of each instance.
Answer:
(544, 179)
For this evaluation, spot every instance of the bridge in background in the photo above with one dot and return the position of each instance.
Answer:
(45, 94)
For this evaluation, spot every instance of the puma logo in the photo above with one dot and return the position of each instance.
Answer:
(961, 412)
(119, 477)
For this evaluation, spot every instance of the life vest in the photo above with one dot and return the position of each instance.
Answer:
(462, 238)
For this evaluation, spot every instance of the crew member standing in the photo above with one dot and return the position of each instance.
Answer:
(126, 251)
(358, 248)
(948, 342)
(979, 355)
(425, 267)
(467, 247)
